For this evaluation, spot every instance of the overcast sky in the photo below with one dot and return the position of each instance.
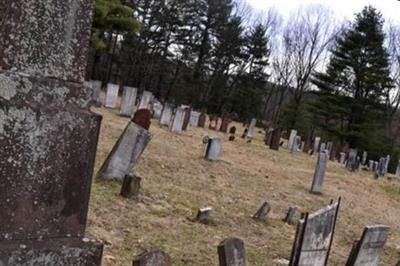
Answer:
(343, 9)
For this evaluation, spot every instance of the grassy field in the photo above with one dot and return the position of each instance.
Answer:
(177, 181)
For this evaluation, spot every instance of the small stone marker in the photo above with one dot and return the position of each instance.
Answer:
(203, 215)
(342, 159)
(231, 252)
(262, 213)
(186, 119)
(166, 115)
(351, 164)
(364, 158)
(292, 138)
(319, 174)
(213, 122)
(275, 139)
(232, 130)
(125, 153)
(225, 124)
(96, 92)
(292, 216)
(194, 119)
(152, 258)
(177, 123)
(142, 118)
(314, 237)
(145, 101)
(366, 251)
(251, 128)
(131, 186)
(112, 95)
(317, 141)
(214, 149)
(128, 101)
(371, 165)
(202, 120)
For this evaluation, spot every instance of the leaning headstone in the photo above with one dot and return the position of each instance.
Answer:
(177, 122)
(231, 252)
(317, 141)
(145, 101)
(319, 174)
(387, 161)
(367, 250)
(251, 128)
(275, 139)
(125, 153)
(314, 237)
(128, 101)
(96, 92)
(194, 119)
(166, 115)
(112, 96)
(131, 186)
(142, 118)
(364, 158)
(214, 149)
(203, 215)
(292, 138)
(381, 166)
(202, 120)
(262, 213)
(152, 258)
(292, 215)
(48, 136)
(342, 159)
(352, 160)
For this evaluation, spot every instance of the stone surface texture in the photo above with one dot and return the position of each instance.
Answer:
(128, 101)
(319, 174)
(112, 96)
(177, 122)
(231, 252)
(214, 149)
(152, 258)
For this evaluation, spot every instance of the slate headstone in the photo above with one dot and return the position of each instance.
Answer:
(231, 252)
(292, 216)
(203, 215)
(128, 101)
(186, 119)
(225, 124)
(319, 172)
(194, 119)
(275, 139)
(112, 96)
(232, 130)
(352, 160)
(131, 186)
(262, 213)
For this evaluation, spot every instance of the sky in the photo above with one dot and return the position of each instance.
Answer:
(343, 9)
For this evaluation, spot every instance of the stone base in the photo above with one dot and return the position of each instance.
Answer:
(51, 252)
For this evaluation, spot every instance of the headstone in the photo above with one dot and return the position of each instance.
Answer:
(342, 159)
(352, 160)
(225, 124)
(252, 126)
(231, 252)
(314, 237)
(177, 123)
(157, 109)
(302, 146)
(128, 101)
(131, 186)
(202, 120)
(145, 101)
(112, 95)
(203, 215)
(166, 115)
(232, 130)
(296, 145)
(213, 122)
(381, 166)
(317, 141)
(376, 170)
(262, 213)
(364, 158)
(292, 216)
(194, 119)
(275, 139)
(371, 165)
(292, 138)
(319, 174)
(367, 250)
(323, 147)
(48, 136)
(142, 118)
(125, 153)
(186, 119)
(96, 92)
(214, 149)
(152, 258)
(387, 161)
(329, 146)
(398, 171)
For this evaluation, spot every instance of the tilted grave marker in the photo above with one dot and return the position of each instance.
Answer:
(128, 101)
(214, 149)
(48, 136)
(275, 139)
(351, 164)
(292, 138)
(142, 118)
(319, 174)
(252, 126)
(186, 119)
(231, 252)
(262, 213)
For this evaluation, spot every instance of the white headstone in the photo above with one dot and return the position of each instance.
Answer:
(128, 101)
(194, 118)
(319, 172)
(317, 140)
(166, 115)
(292, 138)
(112, 95)
(252, 125)
(157, 109)
(177, 123)
(96, 92)
(145, 101)
(342, 159)
(214, 149)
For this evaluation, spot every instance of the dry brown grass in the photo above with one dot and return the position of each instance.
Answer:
(177, 181)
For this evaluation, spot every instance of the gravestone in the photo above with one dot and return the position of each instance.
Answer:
(323, 147)
(380, 169)
(262, 213)
(329, 146)
(48, 136)
(371, 165)
(213, 122)
(186, 119)
(202, 120)
(112, 96)
(296, 144)
(128, 101)
(142, 118)
(387, 161)
(225, 124)
(131, 186)
(214, 149)
(251, 128)
(194, 119)
(203, 215)
(157, 109)
(152, 258)
(317, 141)
(232, 130)
(292, 216)
(398, 171)
(314, 237)
(319, 174)
(177, 123)
(231, 252)
(376, 170)
(166, 115)
(364, 158)
(145, 101)
(342, 159)
(275, 139)
(352, 160)
(96, 93)
(125, 153)
(367, 250)
(292, 138)
(303, 144)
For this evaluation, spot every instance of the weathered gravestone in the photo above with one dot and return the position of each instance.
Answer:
(157, 109)
(112, 96)
(142, 118)
(319, 174)
(387, 161)
(292, 215)
(371, 165)
(329, 146)
(203, 215)
(366, 251)
(262, 213)
(398, 171)
(364, 158)
(231, 252)
(194, 119)
(232, 130)
(317, 141)
(225, 124)
(131, 186)
(342, 158)
(166, 115)
(323, 147)
(125, 153)
(351, 164)
(314, 237)
(292, 139)
(213, 122)
(251, 128)
(128, 101)
(275, 139)
(96, 93)
(152, 258)
(48, 136)
(145, 101)
(380, 169)
(296, 144)
(186, 119)
(177, 122)
(214, 149)
(202, 120)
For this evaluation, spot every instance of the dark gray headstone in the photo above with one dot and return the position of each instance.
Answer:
(152, 258)
(351, 164)
(262, 213)
(292, 215)
(131, 186)
(319, 174)
(231, 252)
(203, 215)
